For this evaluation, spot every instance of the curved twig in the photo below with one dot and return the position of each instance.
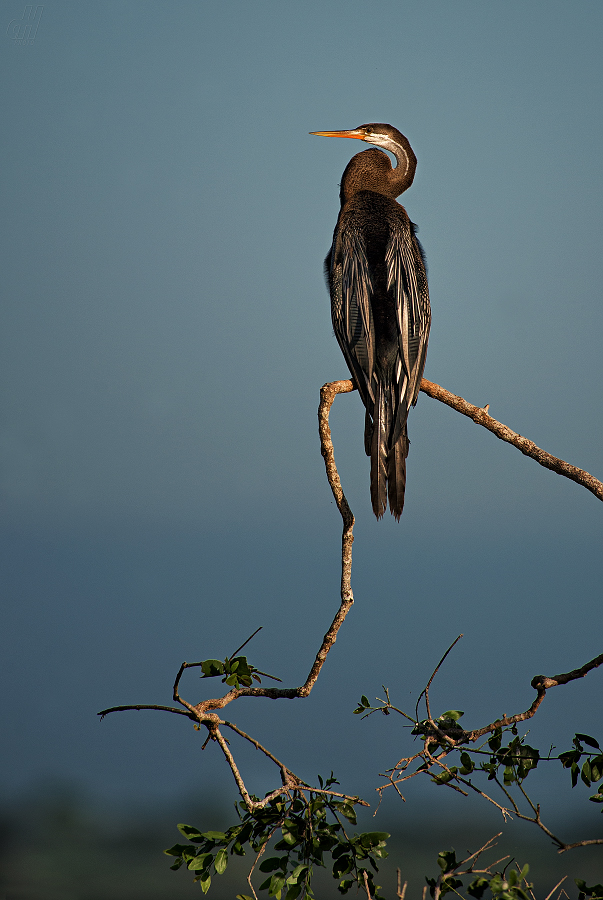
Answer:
(179, 712)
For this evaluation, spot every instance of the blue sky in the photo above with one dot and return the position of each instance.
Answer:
(166, 332)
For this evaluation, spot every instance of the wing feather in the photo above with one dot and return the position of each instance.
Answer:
(351, 288)
(406, 278)
(388, 376)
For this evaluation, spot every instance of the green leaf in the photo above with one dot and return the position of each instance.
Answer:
(587, 739)
(211, 668)
(569, 757)
(596, 891)
(293, 892)
(343, 866)
(205, 883)
(347, 810)
(477, 888)
(243, 897)
(178, 850)
(447, 860)
(467, 764)
(217, 836)
(585, 773)
(596, 768)
(277, 882)
(453, 714)
(193, 834)
(364, 701)
(297, 873)
(373, 838)
(496, 740)
(201, 862)
(274, 862)
(221, 861)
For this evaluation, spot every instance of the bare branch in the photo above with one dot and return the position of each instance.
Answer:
(401, 889)
(541, 681)
(541, 684)
(256, 860)
(440, 733)
(559, 883)
(487, 846)
(180, 712)
(580, 844)
(244, 644)
(480, 416)
(506, 813)
(205, 712)
(290, 779)
(258, 746)
(217, 736)
(471, 870)
(328, 393)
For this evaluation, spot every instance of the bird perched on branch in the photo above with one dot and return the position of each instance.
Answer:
(380, 301)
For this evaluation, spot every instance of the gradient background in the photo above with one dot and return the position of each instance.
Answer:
(166, 330)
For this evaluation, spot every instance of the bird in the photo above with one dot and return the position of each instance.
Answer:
(377, 278)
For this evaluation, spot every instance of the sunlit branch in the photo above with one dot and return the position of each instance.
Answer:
(481, 416)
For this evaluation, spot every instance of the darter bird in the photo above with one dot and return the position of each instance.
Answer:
(380, 301)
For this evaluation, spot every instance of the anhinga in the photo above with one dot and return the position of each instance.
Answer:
(380, 301)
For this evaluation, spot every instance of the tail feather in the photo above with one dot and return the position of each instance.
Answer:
(396, 474)
(379, 454)
(388, 466)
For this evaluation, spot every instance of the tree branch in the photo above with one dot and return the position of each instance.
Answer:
(541, 684)
(203, 713)
(481, 417)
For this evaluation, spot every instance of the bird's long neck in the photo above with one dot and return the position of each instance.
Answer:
(372, 170)
(406, 164)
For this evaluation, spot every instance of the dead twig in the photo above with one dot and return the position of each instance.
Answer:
(471, 870)
(441, 734)
(401, 891)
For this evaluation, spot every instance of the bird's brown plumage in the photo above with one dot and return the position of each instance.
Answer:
(380, 302)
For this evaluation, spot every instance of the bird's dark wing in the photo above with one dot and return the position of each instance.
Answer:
(407, 279)
(351, 286)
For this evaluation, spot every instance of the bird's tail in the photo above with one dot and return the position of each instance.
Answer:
(388, 466)
(396, 474)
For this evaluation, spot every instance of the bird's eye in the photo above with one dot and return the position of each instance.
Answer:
(368, 130)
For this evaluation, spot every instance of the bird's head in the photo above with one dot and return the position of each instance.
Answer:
(376, 133)
(381, 135)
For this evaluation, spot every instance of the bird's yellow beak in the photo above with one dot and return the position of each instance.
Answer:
(353, 133)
